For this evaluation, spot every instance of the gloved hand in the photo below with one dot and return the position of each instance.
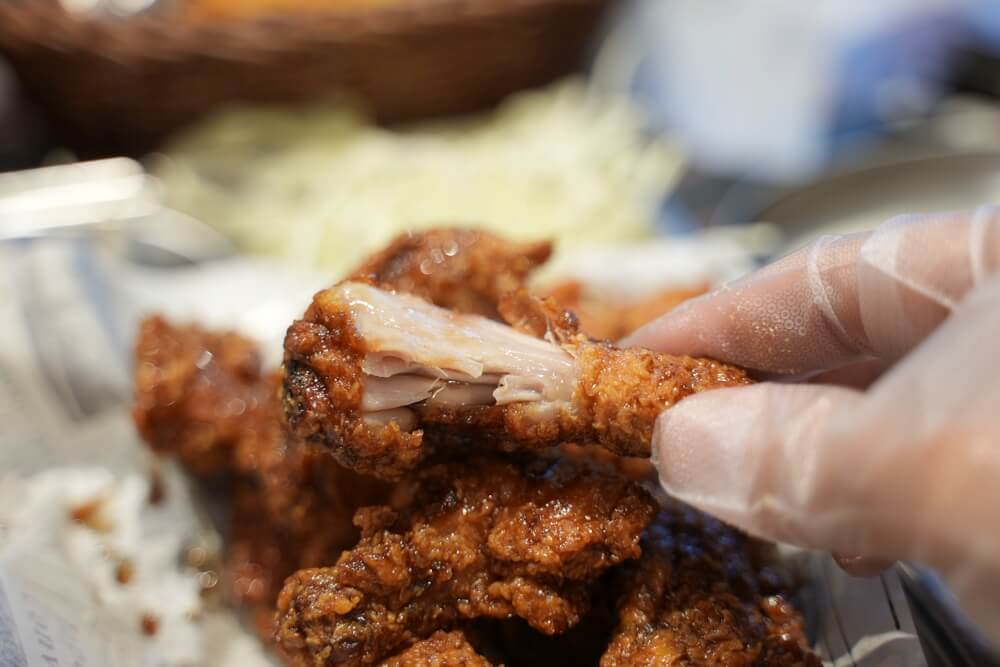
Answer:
(908, 467)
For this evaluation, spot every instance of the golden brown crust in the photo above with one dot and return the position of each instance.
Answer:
(462, 269)
(489, 538)
(704, 594)
(442, 649)
(621, 392)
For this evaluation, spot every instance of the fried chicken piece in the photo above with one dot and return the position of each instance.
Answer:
(370, 373)
(486, 538)
(199, 394)
(203, 398)
(276, 514)
(704, 594)
(442, 649)
(302, 486)
(465, 270)
(611, 320)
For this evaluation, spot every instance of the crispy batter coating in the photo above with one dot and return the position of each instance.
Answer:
(704, 594)
(200, 394)
(581, 646)
(485, 538)
(613, 399)
(442, 649)
(611, 320)
(466, 270)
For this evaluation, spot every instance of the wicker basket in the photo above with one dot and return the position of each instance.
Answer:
(122, 86)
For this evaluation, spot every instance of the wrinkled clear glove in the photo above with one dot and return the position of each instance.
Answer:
(908, 468)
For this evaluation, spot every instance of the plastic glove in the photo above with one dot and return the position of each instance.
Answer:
(910, 467)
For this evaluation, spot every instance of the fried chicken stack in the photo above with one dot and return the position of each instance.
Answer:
(438, 471)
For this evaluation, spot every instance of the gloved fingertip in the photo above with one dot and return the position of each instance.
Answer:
(699, 452)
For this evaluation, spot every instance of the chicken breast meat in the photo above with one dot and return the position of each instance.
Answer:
(491, 537)
(380, 378)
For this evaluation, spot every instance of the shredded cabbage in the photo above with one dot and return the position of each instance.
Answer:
(325, 187)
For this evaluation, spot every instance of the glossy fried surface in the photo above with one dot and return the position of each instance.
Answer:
(616, 396)
(200, 395)
(704, 594)
(484, 538)
(442, 649)
(463, 269)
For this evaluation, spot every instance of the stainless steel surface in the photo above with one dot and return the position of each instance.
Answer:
(947, 637)
(112, 201)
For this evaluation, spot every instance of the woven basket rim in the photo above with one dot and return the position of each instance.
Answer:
(148, 37)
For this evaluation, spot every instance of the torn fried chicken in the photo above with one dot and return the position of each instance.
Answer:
(485, 538)
(379, 377)
(442, 649)
(704, 594)
(462, 269)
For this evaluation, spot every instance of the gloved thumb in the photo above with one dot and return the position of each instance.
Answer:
(758, 457)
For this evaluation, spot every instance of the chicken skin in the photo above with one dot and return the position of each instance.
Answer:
(704, 594)
(381, 378)
(491, 538)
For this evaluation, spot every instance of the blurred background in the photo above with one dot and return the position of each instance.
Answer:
(152, 150)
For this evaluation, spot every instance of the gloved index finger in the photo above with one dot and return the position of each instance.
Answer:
(840, 299)
(796, 315)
